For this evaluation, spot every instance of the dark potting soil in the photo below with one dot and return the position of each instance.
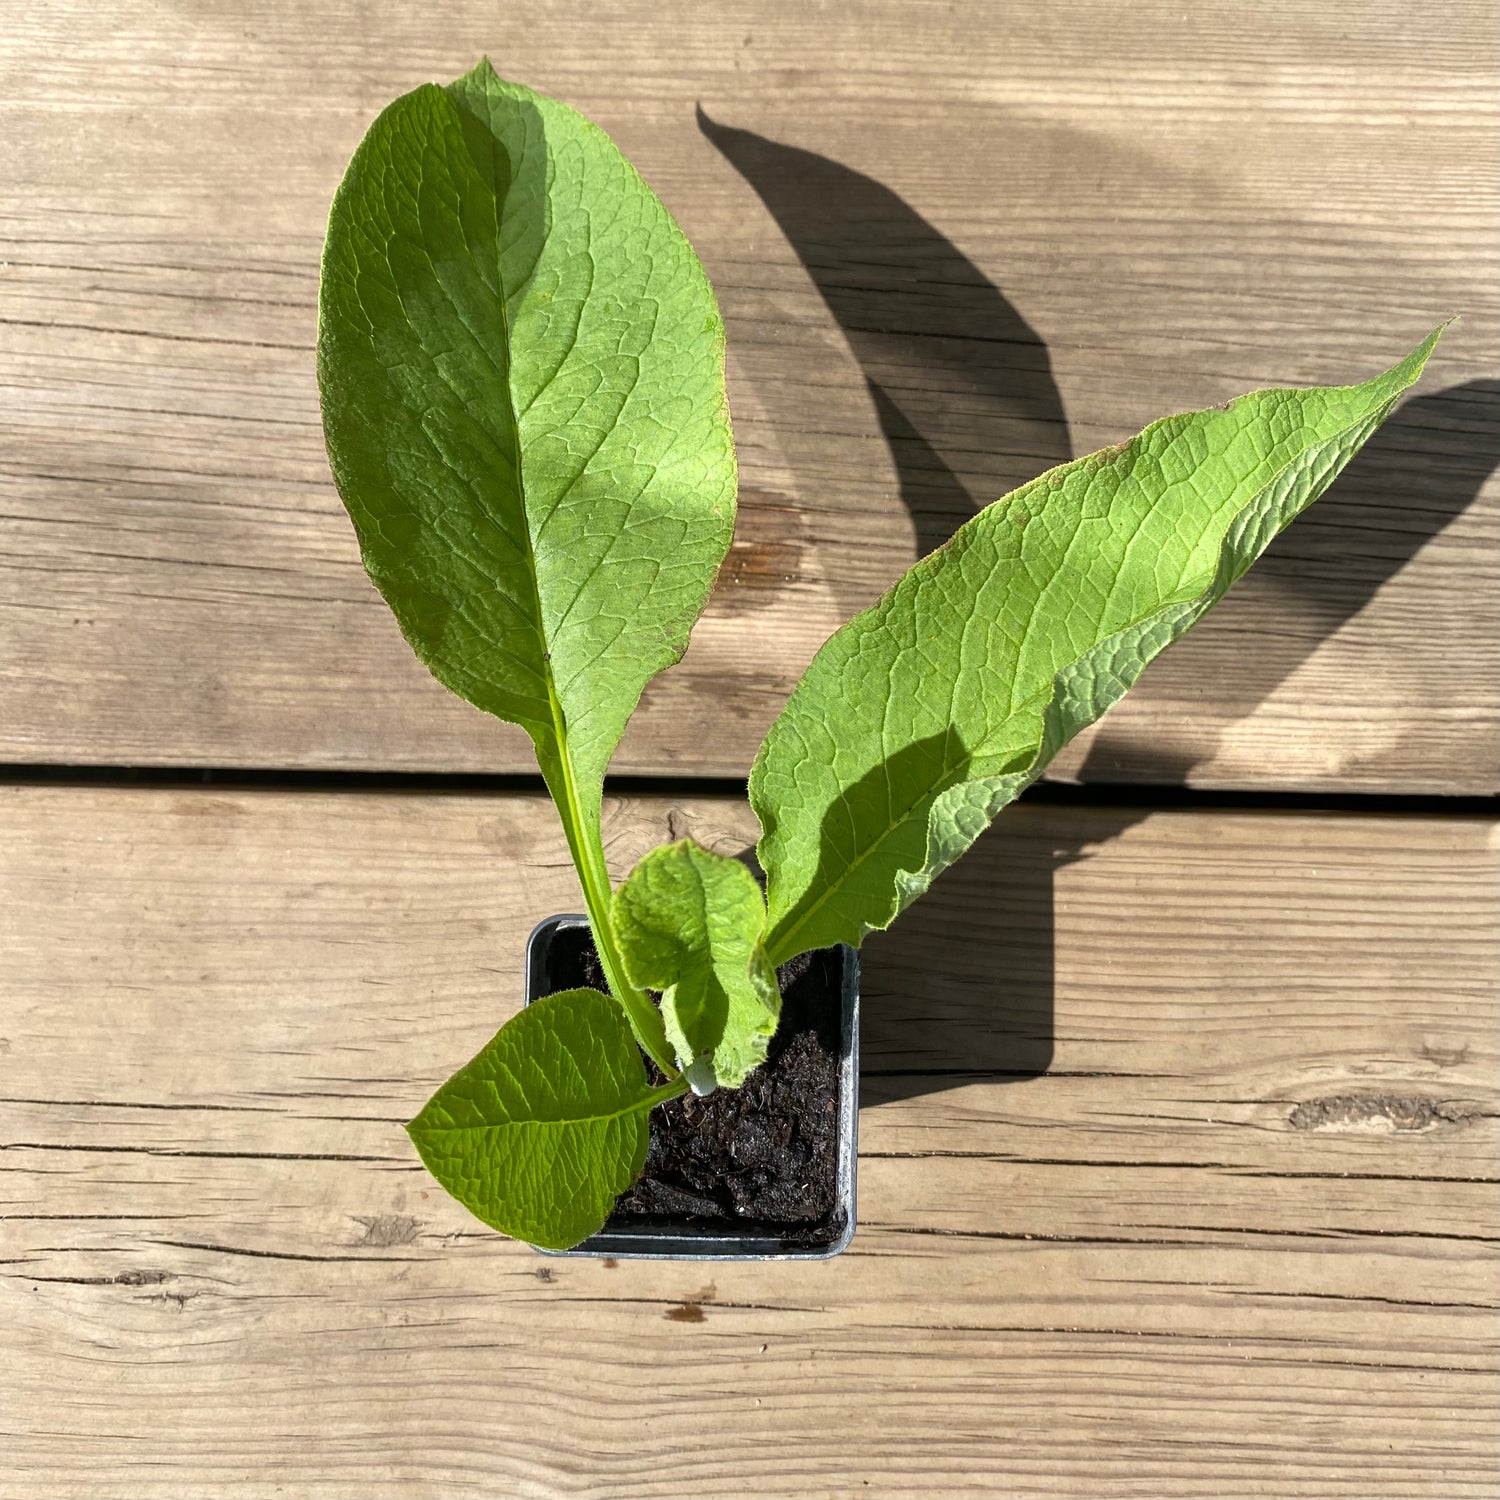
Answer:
(764, 1155)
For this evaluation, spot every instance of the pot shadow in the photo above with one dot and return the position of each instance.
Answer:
(961, 988)
(963, 984)
(977, 949)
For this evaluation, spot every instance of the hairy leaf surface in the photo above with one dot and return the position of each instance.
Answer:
(521, 364)
(920, 719)
(546, 1127)
(690, 924)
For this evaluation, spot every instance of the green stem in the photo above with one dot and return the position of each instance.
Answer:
(587, 850)
(645, 1018)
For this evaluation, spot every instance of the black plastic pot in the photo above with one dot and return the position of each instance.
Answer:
(553, 962)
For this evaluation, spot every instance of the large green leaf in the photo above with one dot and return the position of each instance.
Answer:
(690, 924)
(546, 1127)
(522, 372)
(920, 719)
(521, 363)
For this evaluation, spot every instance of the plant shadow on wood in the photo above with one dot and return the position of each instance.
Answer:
(962, 986)
(961, 383)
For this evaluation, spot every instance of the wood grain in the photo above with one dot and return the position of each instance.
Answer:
(956, 245)
(1237, 1238)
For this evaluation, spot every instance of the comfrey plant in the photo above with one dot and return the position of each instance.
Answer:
(522, 373)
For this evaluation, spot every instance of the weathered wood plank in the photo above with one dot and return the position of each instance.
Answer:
(1240, 1238)
(1040, 229)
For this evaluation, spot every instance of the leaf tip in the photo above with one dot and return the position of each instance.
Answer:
(482, 72)
(1420, 355)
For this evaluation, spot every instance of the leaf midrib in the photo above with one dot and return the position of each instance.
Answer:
(558, 720)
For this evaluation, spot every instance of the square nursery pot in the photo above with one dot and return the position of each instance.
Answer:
(663, 1220)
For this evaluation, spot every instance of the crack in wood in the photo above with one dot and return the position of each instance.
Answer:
(281, 1254)
(201, 1155)
(1215, 1229)
(124, 1278)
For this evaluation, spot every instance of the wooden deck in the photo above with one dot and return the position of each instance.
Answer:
(1179, 1125)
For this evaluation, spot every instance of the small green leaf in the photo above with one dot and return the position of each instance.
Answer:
(546, 1127)
(920, 719)
(690, 924)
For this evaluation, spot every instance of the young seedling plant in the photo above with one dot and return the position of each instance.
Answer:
(522, 373)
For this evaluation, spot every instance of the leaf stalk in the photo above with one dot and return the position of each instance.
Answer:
(587, 848)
